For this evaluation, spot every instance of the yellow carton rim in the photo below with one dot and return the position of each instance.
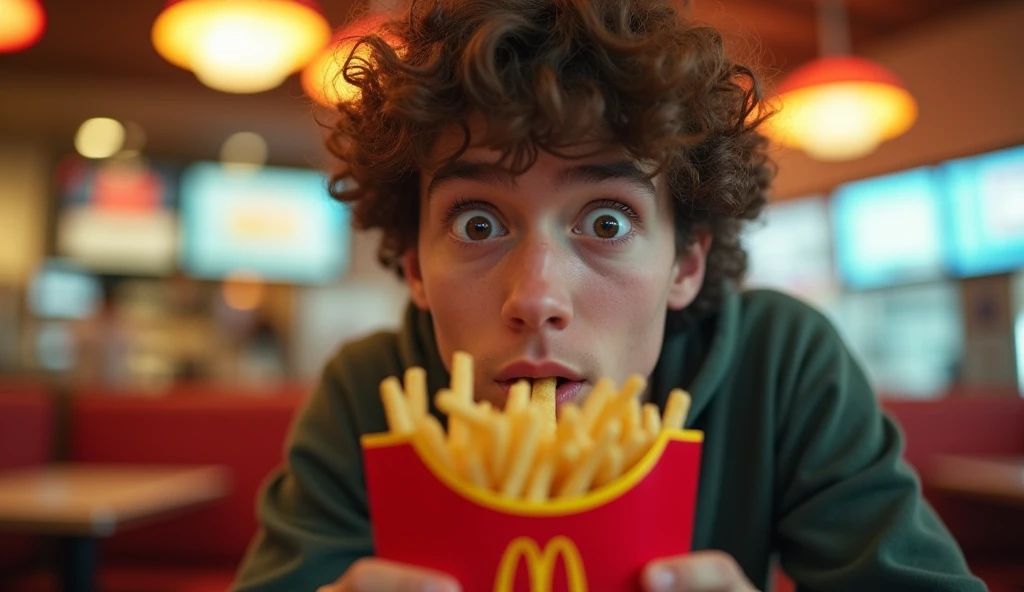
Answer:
(495, 501)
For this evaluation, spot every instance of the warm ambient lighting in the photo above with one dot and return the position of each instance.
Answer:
(841, 108)
(244, 151)
(99, 137)
(242, 290)
(322, 79)
(22, 23)
(240, 46)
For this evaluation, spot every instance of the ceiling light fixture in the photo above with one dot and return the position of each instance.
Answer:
(240, 46)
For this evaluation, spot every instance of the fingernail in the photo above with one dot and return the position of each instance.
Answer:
(441, 587)
(660, 579)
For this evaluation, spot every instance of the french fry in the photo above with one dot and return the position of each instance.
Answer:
(570, 425)
(627, 395)
(631, 389)
(676, 408)
(580, 478)
(522, 455)
(544, 395)
(475, 470)
(473, 415)
(524, 451)
(634, 447)
(430, 436)
(652, 419)
(569, 454)
(500, 443)
(396, 409)
(462, 376)
(631, 423)
(538, 487)
(593, 407)
(416, 391)
(462, 385)
(518, 398)
(459, 461)
(611, 465)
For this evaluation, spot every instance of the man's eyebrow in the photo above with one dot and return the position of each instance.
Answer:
(471, 171)
(623, 170)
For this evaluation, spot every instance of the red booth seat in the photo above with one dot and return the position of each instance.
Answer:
(200, 550)
(974, 422)
(971, 422)
(26, 439)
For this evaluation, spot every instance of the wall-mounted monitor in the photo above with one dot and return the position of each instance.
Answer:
(62, 290)
(277, 224)
(888, 230)
(117, 216)
(985, 203)
(790, 247)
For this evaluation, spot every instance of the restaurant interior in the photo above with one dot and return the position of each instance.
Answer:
(173, 274)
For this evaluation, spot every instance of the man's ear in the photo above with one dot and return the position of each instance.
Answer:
(688, 271)
(414, 279)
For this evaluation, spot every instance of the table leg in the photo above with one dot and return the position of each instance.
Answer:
(78, 559)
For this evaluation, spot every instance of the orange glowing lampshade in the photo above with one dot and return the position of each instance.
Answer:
(841, 108)
(240, 46)
(322, 79)
(22, 23)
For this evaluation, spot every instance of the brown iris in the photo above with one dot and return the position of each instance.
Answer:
(478, 228)
(606, 226)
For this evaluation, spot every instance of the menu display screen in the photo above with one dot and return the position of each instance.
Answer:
(888, 230)
(277, 224)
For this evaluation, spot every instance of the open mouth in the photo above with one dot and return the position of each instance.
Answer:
(566, 389)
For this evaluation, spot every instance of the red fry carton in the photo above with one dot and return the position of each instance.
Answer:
(600, 541)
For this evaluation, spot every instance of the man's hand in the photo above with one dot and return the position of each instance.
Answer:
(379, 575)
(704, 571)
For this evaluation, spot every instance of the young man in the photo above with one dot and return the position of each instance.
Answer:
(562, 184)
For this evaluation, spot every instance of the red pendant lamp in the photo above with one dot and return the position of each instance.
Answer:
(22, 23)
(240, 46)
(840, 107)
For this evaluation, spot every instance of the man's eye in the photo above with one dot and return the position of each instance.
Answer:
(606, 223)
(476, 226)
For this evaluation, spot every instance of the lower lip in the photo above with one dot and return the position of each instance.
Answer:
(567, 392)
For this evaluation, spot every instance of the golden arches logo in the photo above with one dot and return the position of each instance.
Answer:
(540, 565)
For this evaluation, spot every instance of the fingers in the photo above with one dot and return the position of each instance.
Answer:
(380, 575)
(704, 571)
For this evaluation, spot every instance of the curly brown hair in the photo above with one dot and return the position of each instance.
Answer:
(545, 74)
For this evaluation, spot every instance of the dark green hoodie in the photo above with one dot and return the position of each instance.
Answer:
(798, 459)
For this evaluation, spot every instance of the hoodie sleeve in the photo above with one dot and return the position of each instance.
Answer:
(850, 514)
(313, 513)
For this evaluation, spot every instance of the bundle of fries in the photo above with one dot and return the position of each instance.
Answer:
(523, 451)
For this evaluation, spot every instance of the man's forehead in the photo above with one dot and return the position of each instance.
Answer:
(452, 145)
(599, 165)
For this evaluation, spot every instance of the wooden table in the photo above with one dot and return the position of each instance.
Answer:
(81, 503)
(992, 478)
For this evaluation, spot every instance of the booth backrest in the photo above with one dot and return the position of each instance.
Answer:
(26, 439)
(970, 425)
(245, 434)
(981, 425)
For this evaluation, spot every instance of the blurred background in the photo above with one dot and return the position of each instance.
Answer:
(166, 239)
(162, 224)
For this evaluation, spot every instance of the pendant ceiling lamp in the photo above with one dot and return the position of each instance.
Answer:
(22, 23)
(840, 107)
(240, 46)
(321, 78)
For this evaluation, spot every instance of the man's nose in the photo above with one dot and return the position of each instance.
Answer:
(539, 295)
